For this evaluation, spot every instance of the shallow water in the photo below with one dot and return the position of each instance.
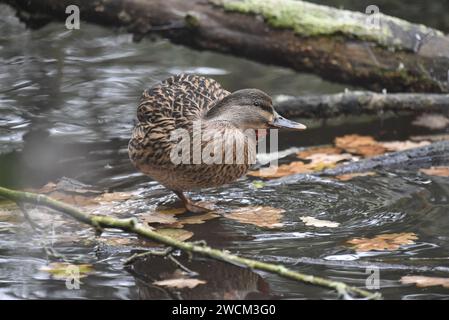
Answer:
(67, 106)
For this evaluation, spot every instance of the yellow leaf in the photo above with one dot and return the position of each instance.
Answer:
(63, 270)
(392, 241)
(265, 217)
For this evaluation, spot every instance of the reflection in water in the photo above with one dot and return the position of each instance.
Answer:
(222, 280)
(67, 106)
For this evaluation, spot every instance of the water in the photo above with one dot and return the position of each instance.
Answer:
(67, 106)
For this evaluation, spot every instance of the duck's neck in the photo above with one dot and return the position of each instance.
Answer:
(226, 116)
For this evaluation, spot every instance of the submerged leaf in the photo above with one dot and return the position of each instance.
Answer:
(157, 217)
(178, 234)
(391, 241)
(314, 222)
(265, 217)
(114, 196)
(436, 171)
(423, 281)
(179, 283)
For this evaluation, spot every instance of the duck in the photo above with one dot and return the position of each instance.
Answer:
(192, 134)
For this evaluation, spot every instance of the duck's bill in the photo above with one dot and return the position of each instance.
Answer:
(282, 123)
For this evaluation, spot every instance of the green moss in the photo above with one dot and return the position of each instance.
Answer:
(308, 19)
(191, 20)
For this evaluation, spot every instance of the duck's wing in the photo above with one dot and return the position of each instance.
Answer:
(182, 98)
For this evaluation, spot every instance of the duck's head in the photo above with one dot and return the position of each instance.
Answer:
(250, 109)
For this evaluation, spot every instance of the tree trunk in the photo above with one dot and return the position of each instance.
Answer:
(374, 51)
(361, 102)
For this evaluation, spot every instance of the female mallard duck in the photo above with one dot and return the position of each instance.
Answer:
(201, 109)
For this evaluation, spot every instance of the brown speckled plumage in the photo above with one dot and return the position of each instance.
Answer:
(174, 104)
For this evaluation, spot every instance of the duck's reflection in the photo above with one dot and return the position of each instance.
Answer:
(222, 280)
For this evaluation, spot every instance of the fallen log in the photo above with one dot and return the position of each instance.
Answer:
(361, 102)
(374, 51)
(435, 154)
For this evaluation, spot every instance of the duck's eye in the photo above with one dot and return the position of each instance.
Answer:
(256, 103)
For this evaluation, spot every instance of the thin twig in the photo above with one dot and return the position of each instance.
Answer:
(145, 254)
(132, 225)
(182, 267)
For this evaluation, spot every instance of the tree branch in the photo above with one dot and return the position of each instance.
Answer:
(132, 225)
(361, 102)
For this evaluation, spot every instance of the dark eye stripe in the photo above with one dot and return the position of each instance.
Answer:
(266, 108)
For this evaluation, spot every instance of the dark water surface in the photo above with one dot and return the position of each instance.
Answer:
(67, 106)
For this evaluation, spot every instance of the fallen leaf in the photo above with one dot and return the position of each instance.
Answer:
(391, 241)
(332, 159)
(7, 215)
(423, 281)
(64, 270)
(179, 283)
(157, 217)
(322, 150)
(282, 170)
(350, 176)
(403, 145)
(178, 234)
(261, 216)
(436, 171)
(311, 221)
(362, 145)
(431, 121)
(258, 184)
(198, 219)
(73, 199)
(114, 196)
(118, 241)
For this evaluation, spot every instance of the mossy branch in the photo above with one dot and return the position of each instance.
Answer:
(132, 225)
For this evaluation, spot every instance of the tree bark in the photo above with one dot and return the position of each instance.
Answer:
(361, 102)
(375, 52)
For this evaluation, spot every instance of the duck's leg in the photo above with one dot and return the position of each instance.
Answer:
(189, 204)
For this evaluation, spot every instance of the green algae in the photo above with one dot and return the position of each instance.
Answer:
(308, 19)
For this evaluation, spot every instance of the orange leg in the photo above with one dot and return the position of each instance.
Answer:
(189, 204)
